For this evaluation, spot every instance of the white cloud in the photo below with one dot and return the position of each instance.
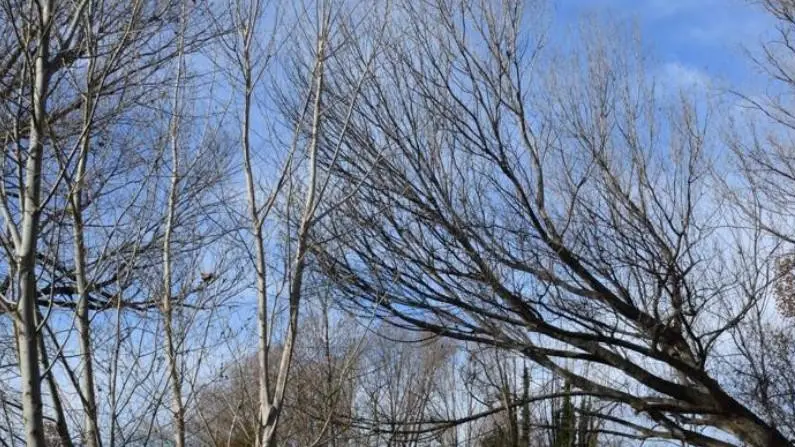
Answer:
(677, 76)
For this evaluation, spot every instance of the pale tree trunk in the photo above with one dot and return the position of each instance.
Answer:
(90, 430)
(114, 375)
(87, 391)
(271, 390)
(256, 218)
(55, 395)
(271, 413)
(95, 78)
(175, 381)
(87, 387)
(270, 404)
(256, 224)
(27, 332)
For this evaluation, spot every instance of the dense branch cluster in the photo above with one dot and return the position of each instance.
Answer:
(332, 222)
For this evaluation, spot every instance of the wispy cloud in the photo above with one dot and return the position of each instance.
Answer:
(677, 76)
(706, 22)
(700, 38)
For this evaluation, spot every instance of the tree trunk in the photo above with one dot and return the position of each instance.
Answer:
(60, 418)
(27, 332)
(175, 381)
(87, 391)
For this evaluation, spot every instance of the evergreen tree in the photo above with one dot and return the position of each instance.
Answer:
(512, 435)
(496, 438)
(587, 436)
(565, 422)
(524, 439)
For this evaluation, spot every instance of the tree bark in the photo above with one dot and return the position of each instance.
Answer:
(27, 331)
(175, 380)
(87, 391)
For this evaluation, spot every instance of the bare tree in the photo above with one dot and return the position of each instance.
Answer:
(552, 203)
(491, 196)
(166, 307)
(94, 63)
(293, 197)
(760, 187)
(318, 404)
(403, 388)
(25, 237)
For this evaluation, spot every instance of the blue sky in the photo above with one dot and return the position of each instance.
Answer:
(695, 38)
